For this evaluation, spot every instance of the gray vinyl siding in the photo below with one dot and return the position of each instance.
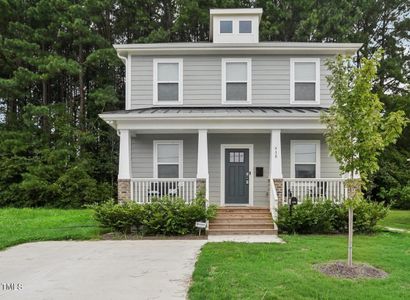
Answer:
(202, 80)
(142, 158)
(142, 150)
(329, 168)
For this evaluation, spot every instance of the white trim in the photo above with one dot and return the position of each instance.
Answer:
(251, 177)
(124, 162)
(275, 155)
(180, 82)
(316, 81)
(248, 62)
(220, 124)
(180, 143)
(128, 83)
(292, 156)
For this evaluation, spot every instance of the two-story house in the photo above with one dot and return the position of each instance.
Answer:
(238, 116)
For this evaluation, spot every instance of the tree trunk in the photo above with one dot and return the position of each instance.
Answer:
(81, 86)
(350, 240)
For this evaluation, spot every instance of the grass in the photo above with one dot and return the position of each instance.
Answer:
(397, 219)
(285, 271)
(26, 225)
(274, 271)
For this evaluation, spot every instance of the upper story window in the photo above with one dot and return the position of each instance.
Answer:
(305, 80)
(236, 81)
(305, 159)
(225, 27)
(168, 85)
(245, 26)
(168, 158)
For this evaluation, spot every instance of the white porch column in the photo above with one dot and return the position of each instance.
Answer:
(275, 168)
(275, 172)
(202, 162)
(124, 166)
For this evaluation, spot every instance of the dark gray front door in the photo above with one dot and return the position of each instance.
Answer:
(236, 176)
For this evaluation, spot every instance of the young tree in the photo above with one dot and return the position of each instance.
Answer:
(358, 129)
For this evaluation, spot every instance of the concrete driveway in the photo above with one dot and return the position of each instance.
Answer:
(146, 269)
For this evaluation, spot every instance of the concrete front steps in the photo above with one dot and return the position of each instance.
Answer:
(241, 220)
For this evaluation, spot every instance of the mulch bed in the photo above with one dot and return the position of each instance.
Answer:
(342, 270)
(116, 236)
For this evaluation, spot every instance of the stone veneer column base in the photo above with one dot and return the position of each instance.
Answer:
(124, 190)
(278, 182)
(201, 186)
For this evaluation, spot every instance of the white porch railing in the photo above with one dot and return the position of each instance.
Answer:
(314, 188)
(143, 190)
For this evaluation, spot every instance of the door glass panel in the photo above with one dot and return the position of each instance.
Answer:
(231, 157)
(241, 157)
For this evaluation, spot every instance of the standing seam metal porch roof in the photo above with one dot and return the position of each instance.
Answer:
(218, 111)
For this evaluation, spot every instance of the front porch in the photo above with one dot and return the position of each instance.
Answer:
(244, 168)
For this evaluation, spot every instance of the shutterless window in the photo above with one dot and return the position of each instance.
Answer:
(168, 160)
(168, 81)
(305, 81)
(245, 26)
(225, 26)
(236, 81)
(305, 163)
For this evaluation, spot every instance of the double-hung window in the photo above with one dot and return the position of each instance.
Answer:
(305, 159)
(236, 81)
(305, 80)
(168, 85)
(168, 158)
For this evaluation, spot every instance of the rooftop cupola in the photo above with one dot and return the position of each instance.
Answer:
(237, 25)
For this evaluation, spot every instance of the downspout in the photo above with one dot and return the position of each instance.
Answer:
(127, 62)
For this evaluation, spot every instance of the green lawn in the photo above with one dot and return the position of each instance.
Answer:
(285, 271)
(24, 225)
(397, 219)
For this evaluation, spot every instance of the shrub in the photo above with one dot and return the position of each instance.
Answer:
(165, 216)
(329, 217)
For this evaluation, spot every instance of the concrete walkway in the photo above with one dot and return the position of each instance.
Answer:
(256, 238)
(146, 269)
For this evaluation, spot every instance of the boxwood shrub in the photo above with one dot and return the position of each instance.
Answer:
(329, 217)
(163, 216)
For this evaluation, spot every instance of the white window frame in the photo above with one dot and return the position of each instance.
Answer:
(248, 62)
(293, 61)
(155, 81)
(292, 156)
(180, 143)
